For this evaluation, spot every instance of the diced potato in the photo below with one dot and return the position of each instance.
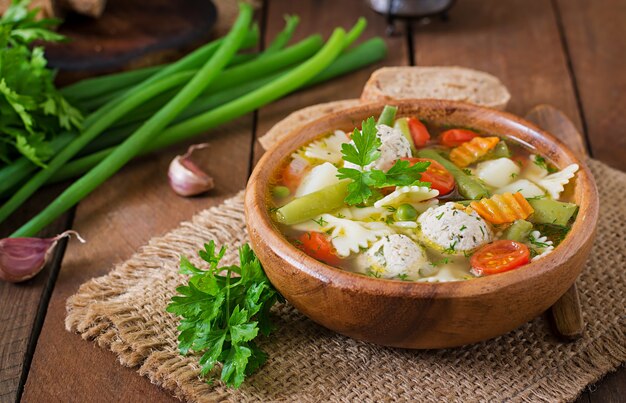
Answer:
(497, 173)
(321, 176)
(524, 186)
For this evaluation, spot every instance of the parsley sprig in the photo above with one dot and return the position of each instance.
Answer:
(33, 111)
(366, 150)
(223, 309)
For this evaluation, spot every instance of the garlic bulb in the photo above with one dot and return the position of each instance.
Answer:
(22, 258)
(186, 178)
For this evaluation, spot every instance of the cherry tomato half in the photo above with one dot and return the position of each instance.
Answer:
(499, 256)
(318, 246)
(419, 132)
(456, 137)
(293, 172)
(439, 177)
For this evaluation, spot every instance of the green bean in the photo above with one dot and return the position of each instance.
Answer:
(468, 187)
(518, 231)
(313, 204)
(387, 115)
(145, 134)
(548, 211)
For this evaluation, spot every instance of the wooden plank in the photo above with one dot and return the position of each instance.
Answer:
(321, 17)
(120, 216)
(516, 40)
(610, 389)
(21, 307)
(595, 35)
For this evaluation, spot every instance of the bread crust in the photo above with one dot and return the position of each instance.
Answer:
(445, 82)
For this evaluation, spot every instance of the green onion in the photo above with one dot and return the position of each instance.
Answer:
(268, 93)
(364, 54)
(93, 87)
(79, 142)
(140, 139)
(282, 39)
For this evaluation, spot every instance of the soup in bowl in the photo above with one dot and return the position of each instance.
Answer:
(421, 224)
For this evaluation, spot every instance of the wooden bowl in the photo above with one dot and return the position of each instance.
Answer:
(421, 315)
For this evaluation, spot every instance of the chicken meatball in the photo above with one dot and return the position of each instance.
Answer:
(396, 257)
(454, 229)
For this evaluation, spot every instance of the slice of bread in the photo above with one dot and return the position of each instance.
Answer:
(302, 117)
(446, 82)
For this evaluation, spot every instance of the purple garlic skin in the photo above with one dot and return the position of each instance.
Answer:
(186, 178)
(22, 258)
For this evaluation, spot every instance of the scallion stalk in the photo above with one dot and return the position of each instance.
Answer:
(146, 133)
(70, 150)
(97, 86)
(364, 54)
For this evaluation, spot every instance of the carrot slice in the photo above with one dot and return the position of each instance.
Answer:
(503, 208)
(472, 150)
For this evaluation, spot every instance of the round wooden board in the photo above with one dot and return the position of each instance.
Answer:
(129, 30)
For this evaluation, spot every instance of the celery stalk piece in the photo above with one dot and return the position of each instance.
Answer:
(518, 231)
(313, 204)
(146, 133)
(548, 211)
(468, 187)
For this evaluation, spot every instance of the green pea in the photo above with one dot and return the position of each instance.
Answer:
(280, 192)
(405, 212)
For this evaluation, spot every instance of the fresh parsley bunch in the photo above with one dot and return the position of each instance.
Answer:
(32, 111)
(363, 152)
(223, 309)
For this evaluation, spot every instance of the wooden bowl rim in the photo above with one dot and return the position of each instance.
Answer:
(578, 236)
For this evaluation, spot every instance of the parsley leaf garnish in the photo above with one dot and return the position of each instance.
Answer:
(223, 313)
(365, 151)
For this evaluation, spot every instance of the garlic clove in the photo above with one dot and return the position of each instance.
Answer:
(22, 258)
(185, 177)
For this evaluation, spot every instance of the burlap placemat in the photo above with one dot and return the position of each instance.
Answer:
(124, 311)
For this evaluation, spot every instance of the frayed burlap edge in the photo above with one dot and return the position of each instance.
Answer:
(106, 310)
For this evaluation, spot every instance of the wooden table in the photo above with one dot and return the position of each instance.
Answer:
(567, 53)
